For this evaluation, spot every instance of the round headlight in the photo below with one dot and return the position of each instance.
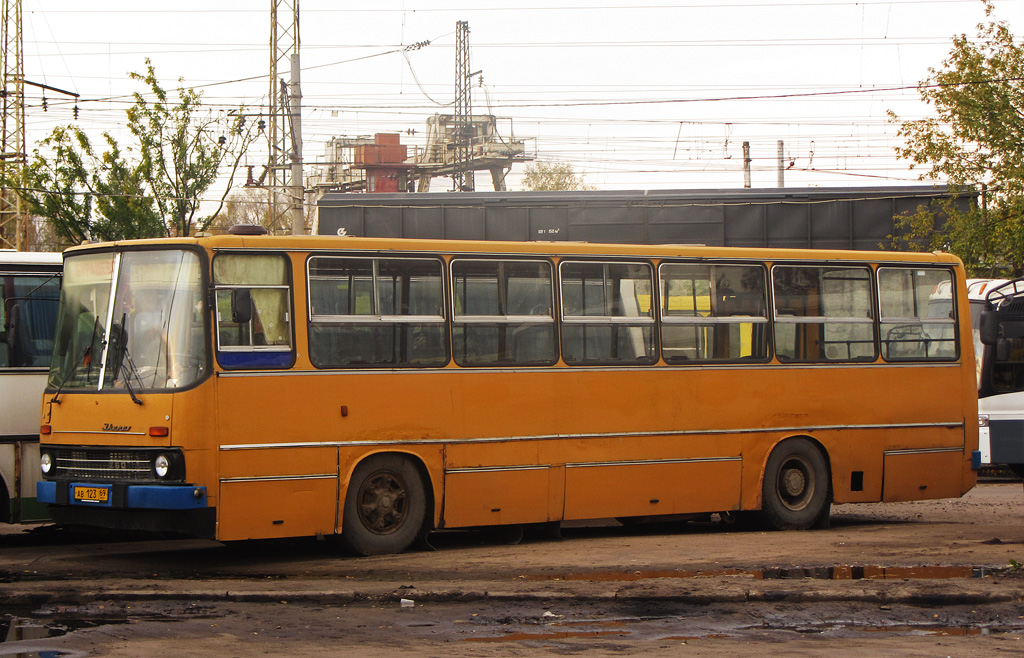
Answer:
(45, 462)
(161, 466)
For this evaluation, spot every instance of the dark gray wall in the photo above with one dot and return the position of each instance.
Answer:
(822, 218)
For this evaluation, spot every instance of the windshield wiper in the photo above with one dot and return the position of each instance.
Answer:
(123, 363)
(86, 363)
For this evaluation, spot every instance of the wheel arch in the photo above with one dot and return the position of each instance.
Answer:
(763, 466)
(431, 485)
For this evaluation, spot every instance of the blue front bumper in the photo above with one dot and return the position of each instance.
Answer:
(123, 496)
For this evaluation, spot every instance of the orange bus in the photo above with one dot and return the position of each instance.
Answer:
(251, 386)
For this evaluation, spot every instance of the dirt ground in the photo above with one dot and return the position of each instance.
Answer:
(934, 578)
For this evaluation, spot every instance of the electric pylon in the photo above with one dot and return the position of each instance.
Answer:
(462, 174)
(13, 223)
(284, 130)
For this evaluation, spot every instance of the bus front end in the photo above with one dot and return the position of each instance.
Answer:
(130, 348)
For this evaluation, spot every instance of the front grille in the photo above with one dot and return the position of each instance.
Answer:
(102, 464)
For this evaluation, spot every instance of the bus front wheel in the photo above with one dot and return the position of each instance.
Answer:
(385, 506)
(796, 493)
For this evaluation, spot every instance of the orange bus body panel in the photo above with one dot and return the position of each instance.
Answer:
(276, 448)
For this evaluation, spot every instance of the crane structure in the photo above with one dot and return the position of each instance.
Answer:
(13, 222)
(457, 145)
(485, 149)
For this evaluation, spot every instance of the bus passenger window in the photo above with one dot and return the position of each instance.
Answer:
(823, 314)
(713, 312)
(917, 318)
(503, 312)
(607, 313)
(253, 298)
(376, 312)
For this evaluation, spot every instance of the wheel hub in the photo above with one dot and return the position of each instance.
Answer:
(793, 482)
(383, 503)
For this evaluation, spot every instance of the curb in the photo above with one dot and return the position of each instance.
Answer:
(718, 590)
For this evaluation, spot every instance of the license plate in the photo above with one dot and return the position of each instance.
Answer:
(92, 494)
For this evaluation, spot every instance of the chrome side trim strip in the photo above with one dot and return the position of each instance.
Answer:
(496, 469)
(601, 435)
(98, 432)
(647, 462)
(279, 478)
(465, 370)
(922, 451)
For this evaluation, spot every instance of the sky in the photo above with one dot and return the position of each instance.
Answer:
(657, 95)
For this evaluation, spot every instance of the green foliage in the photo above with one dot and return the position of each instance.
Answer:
(976, 142)
(181, 154)
(154, 188)
(553, 176)
(990, 241)
(84, 194)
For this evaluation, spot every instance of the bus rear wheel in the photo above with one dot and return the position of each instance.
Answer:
(385, 506)
(796, 493)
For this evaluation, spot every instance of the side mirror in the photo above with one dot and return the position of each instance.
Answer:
(988, 328)
(13, 319)
(241, 305)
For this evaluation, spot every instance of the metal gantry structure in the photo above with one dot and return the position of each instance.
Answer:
(284, 129)
(13, 222)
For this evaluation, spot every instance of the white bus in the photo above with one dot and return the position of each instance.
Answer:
(29, 299)
(997, 316)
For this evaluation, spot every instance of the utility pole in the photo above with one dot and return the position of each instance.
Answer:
(284, 133)
(462, 173)
(13, 222)
(295, 123)
(746, 164)
(782, 166)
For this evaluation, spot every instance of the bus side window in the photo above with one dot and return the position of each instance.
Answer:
(917, 318)
(376, 311)
(713, 312)
(503, 312)
(253, 306)
(823, 313)
(607, 313)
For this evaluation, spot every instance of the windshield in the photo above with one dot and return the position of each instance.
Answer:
(130, 320)
(28, 314)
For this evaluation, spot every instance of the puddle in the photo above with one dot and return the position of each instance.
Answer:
(939, 631)
(17, 629)
(718, 626)
(45, 624)
(842, 572)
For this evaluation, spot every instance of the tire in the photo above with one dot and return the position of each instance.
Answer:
(796, 493)
(385, 506)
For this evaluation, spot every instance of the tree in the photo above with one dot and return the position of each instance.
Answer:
(153, 188)
(182, 151)
(84, 194)
(975, 142)
(248, 205)
(553, 176)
